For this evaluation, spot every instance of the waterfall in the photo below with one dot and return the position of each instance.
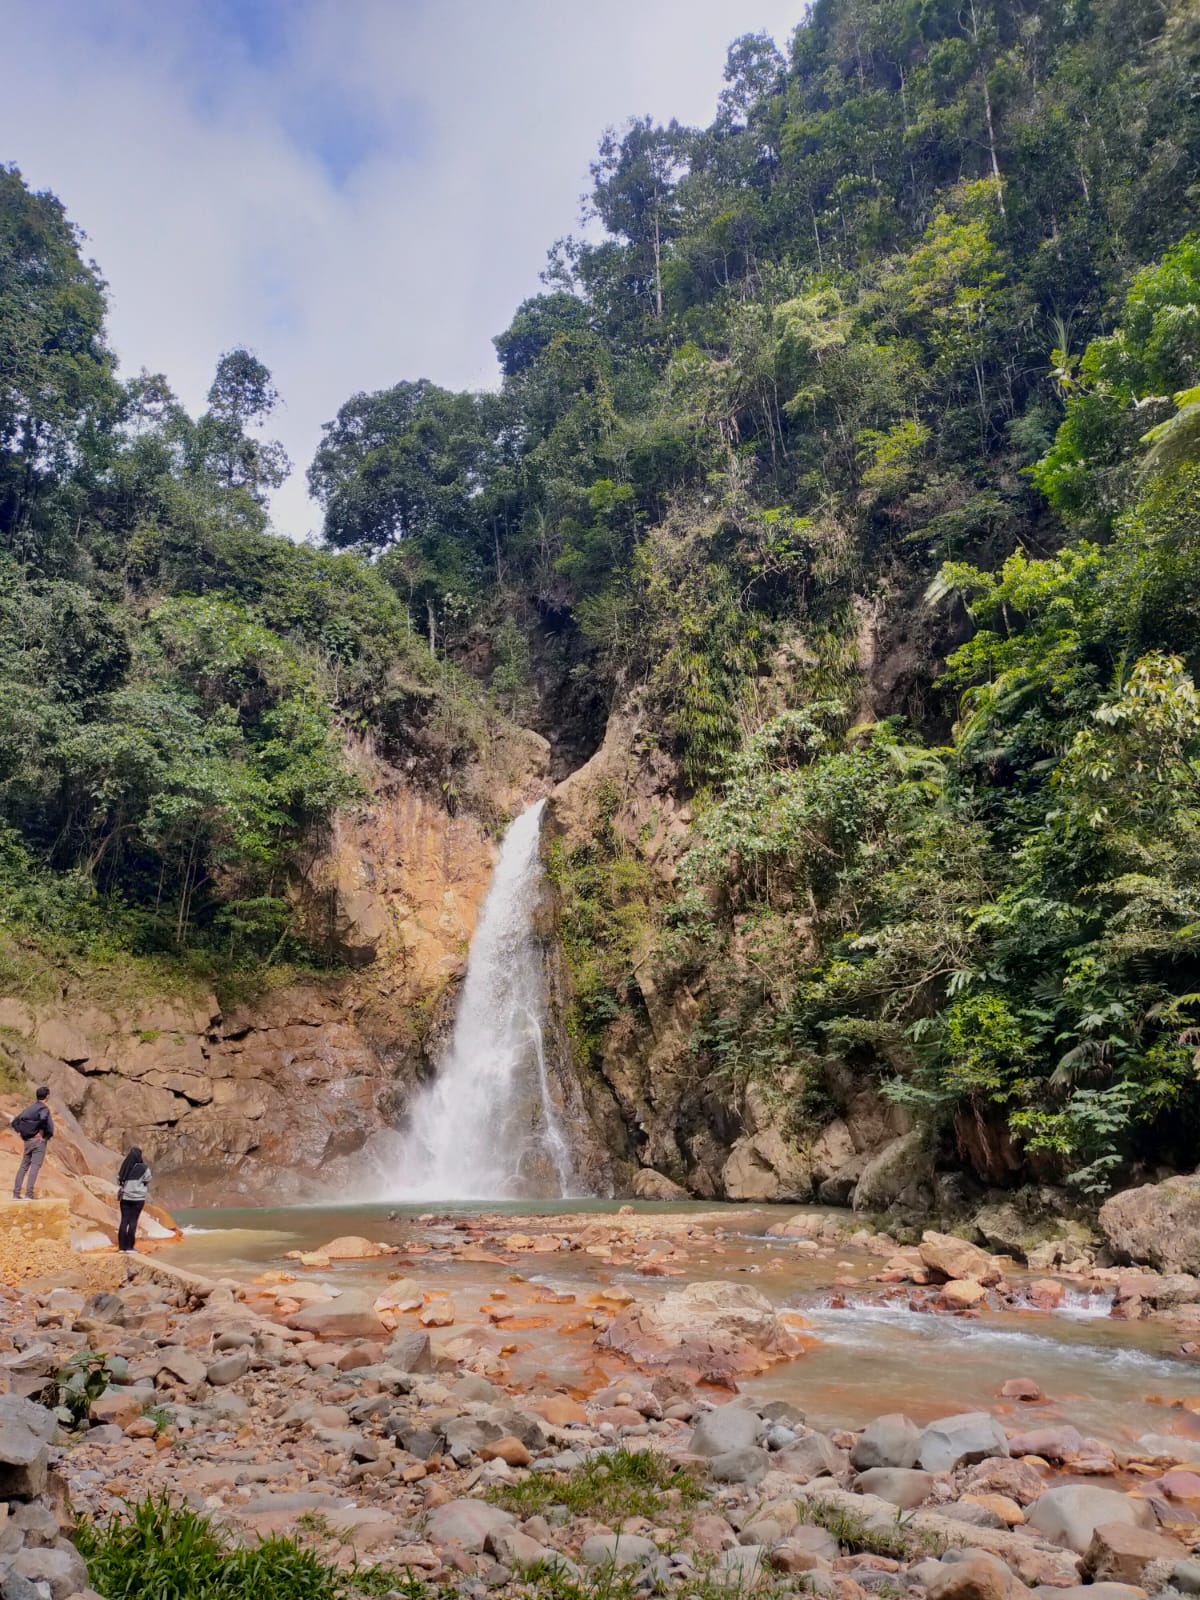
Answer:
(486, 1127)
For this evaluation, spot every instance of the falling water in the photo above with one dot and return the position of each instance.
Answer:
(486, 1127)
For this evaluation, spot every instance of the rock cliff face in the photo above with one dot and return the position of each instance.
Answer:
(671, 1126)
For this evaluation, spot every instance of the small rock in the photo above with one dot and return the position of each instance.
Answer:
(1022, 1389)
(228, 1369)
(467, 1523)
(617, 1550)
(509, 1450)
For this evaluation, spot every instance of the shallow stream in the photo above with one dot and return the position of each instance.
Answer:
(1113, 1380)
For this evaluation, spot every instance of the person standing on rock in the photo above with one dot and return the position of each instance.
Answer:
(36, 1128)
(133, 1185)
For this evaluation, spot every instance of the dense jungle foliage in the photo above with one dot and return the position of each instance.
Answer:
(177, 685)
(895, 362)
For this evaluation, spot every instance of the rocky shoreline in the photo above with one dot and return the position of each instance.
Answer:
(384, 1432)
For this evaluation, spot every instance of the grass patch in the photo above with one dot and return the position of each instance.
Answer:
(167, 1552)
(628, 1483)
(900, 1543)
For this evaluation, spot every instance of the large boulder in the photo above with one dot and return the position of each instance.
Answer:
(716, 1330)
(651, 1185)
(724, 1428)
(889, 1441)
(766, 1166)
(1158, 1223)
(1069, 1515)
(956, 1259)
(1004, 1229)
(900, 1175)
(957, 1441)
(351, 1316)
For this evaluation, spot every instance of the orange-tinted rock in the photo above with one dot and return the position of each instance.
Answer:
(1022, 1389)
(961, 1294)
(509, 1450)
(560, 1411)
(1120, 1552)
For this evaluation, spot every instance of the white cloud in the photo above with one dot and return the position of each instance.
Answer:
(361, 192)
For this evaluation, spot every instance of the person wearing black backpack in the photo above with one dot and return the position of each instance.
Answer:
(36, 1127)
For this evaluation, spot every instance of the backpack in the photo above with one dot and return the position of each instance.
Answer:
(136, 1188)
(28, 1122)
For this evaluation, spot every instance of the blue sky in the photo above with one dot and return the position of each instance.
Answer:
(359, 190)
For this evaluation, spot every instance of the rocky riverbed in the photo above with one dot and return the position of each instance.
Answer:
(349, 1398)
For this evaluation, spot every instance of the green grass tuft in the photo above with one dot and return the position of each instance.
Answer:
(628, 1483)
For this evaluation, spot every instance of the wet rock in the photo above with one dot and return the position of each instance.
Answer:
(1120, 1552)
(228, 1369)
(617, 1550)
(1059, 1443)
(748, 1466)
(958, 1440)
(467, 1523)
(889, 1441)
(725, 1428)
(1022, 1389)
(899, 1486)
(1070, 1514)
(1158, 1223)
(956, 1259)
(961, 1294)
(720, 1329)
(1185, 1576)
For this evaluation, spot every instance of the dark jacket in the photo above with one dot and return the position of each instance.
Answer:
(41, 1111)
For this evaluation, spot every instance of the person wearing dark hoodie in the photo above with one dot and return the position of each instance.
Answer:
(35, 1125)
(133, 1185)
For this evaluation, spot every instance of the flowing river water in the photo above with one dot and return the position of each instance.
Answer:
(1113, 1380)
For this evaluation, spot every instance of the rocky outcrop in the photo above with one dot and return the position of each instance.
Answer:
(1158, 1223)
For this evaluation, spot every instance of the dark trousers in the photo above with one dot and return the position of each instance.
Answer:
(131, 1210)
(31, 1162)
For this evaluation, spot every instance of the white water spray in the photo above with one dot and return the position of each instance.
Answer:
(486, 1128)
